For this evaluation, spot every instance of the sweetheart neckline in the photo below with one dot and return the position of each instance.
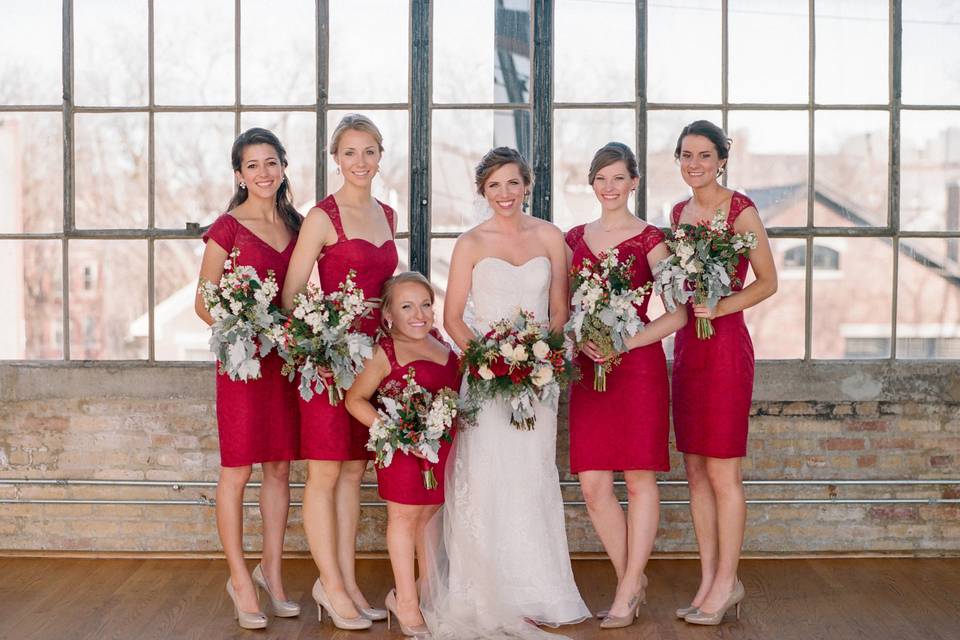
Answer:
(507, 262)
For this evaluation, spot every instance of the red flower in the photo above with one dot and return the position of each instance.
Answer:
(519, 374)
(499, 367)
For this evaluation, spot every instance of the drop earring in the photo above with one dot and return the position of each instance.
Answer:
(243, 185)
(338, 170)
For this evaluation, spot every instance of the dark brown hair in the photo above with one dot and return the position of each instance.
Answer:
(710, 131)
(610, 153)
(284, 198)
(499, 157)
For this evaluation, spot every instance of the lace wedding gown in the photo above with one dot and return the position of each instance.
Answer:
(497, 551)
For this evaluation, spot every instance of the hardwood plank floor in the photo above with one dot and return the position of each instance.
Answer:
(803, 599)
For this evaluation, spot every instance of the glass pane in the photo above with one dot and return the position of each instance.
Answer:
(851, 168)
(853, 56)
(403, 249)
(31, 64)
(577, 134)
(31, 172)
(928, 300)
(776, 324)
(930, 170)
(459, 140)
(490, 61)
(194, 178)
(110, 52)
(180, 334)
(298, 134)
(440, 251)
(757, 28)
(584, 71)
(108, 294)
(665, 187)
(851, 313)
(670, 57)
(111, 171)
(369, 50)
(392, 183)
(188, 32)
(768, 161)
(31, 315)
(931, 52)
(272, 74)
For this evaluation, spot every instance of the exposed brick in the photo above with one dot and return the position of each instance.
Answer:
(868, 409)
(842, 444)
(891, 443)
(867, 425)
(893, 513)
(843, 409)
(866, 461)
(941, 461)
(799, 409)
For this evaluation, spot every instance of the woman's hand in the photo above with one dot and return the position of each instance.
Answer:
(593, 352)
(703, 311)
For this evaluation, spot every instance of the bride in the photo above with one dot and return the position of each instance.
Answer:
(497, 553)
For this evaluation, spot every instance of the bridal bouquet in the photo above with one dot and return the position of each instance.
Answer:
(245, 323)
(413, 420)
(605, 309)
(320, 333)
(702, 265)
(520, 361)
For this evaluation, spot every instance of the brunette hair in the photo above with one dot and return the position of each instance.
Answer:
(387, 291)
(610, 153)
(499, 157)
(710, 131)
(284, 198)
(354, 122)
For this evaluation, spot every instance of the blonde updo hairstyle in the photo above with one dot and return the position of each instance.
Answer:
(388, 291)
(354, 122)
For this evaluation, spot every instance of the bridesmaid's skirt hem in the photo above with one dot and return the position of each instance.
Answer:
(580, 469)
(722, 455)
(411, 503)
(258, 460)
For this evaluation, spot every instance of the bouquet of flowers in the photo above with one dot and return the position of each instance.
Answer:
(413, 420)
(245, 323)
(517, 360)
(320, 333)
(605, 309)
(702, 266)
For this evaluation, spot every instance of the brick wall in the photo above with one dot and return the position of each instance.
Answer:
(812, 421)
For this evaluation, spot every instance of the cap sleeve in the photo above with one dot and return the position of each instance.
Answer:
(652, 236)
(738, 202)
(574, 236)
(223, 231)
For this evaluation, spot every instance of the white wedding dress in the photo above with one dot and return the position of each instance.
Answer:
(497, 550)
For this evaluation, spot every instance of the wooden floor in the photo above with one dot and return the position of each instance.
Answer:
(873, 599)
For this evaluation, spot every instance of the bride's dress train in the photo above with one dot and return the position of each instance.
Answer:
(497, 551)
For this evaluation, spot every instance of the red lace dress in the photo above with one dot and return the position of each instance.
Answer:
(713, 379)
(628, 425)
(257, 420)
(402, 481)
(329, 432)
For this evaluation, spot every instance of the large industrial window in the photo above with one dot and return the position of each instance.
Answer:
(116, 121)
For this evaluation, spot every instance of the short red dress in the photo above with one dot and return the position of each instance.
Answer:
(329, 432)
(713, 379)
(402, 481)
(258, 420)
(626, 427)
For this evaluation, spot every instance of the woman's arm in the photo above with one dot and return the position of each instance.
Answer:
(761, 259)
(314, 236)
(668, 322)
(359, 394)
(559, 276)
(211, 269)
(458, 288)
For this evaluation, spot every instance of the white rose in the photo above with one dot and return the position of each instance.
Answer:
(542, 376)
(520, 353)
(485, 372)
(540, 349)
(506, 350)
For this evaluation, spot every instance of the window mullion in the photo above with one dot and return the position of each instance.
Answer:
(421, 26)
(541, 69)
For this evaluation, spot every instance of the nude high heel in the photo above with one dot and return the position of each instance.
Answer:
(617, 622)
(715, 618)
(683, 612)
(420, 631)
(320, 597)
(281, 608)
(245, 620)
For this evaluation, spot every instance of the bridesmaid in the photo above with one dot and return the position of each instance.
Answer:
(257, 420)
(713, 379)
(627, 427)
(347, 230)
(411, 339)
